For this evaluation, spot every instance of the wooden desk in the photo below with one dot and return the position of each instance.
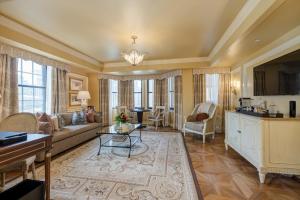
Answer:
(34, 144)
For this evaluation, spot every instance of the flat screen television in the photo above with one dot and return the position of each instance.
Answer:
(280, 76)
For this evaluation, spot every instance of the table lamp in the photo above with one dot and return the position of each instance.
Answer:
(83, 96)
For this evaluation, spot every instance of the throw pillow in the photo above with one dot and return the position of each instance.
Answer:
(191, 118)
(55, 123)
(45, 127)
(201, 116)
(46, 118)
(90, 116)
(78, 118)
(61, 121)
(98, 117)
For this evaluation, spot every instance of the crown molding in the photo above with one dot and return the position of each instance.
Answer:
(252, 13)
(159, 62)
(27, 31)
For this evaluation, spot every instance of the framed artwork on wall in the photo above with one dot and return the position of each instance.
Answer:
(73, 101)
(76, 84)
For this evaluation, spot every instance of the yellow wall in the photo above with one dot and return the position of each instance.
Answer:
(187, 92)
(94, 90)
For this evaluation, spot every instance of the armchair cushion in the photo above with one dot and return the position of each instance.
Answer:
(195, 126)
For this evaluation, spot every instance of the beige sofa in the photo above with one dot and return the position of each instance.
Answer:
(71, 135)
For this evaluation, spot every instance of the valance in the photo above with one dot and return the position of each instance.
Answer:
(27, 55)
(140, 77)
(212, 70)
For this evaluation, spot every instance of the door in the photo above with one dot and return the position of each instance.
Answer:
(233, 135)
(250, 138)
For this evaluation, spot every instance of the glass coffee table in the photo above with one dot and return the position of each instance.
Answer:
(122, 136)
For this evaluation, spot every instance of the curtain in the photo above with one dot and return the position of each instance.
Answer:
(199, 88)
(165, 99)
(178, 103)
(8, 86)
(59, 91)
(157, 92)
(126, 94)
(224, 94)
(104, 101)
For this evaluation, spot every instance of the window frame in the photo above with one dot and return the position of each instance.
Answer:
(140, 92)
(22, 86)
(148, 92)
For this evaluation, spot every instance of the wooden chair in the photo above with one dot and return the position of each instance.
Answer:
(26, 122)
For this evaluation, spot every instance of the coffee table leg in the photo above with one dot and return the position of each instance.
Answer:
(99, 145)
(129, 146)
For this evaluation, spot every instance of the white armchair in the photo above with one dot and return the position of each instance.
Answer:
(205, 127)
(158, 116)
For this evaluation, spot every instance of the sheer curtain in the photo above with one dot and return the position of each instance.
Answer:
(224, 100)
(126, 94)
(104, 100)
(8, 86)
(178, 104)
(212, 88)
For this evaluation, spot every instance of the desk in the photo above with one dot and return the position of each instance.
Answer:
(34, 144)
(139, 113)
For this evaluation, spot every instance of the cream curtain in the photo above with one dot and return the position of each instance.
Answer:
(126, 94)
(104, 101)
(59, 90)
(157, 92)
(199, 88)
(224, 94)
(8, 86)
(165, 99)
(178, 104)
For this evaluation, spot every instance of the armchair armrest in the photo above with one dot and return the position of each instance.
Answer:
(209, 125)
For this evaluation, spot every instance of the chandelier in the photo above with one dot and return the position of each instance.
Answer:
(134, 57)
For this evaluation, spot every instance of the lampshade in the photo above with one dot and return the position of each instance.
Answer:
(83, 95)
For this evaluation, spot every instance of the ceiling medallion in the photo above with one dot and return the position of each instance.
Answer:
(134, 57)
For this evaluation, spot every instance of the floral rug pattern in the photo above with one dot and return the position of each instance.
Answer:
(158, 169)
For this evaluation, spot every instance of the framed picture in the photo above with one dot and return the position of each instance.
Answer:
(73, 101)
(76, 84)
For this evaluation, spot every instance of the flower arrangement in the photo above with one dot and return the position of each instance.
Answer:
(121, 118)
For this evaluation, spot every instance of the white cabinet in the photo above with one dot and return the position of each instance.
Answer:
(271, 145)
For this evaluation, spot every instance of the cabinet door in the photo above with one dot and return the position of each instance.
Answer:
(233, 131)
(250, 139)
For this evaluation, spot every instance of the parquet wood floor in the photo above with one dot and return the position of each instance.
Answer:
(225, 175)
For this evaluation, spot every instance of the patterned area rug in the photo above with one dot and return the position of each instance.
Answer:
(158, 169)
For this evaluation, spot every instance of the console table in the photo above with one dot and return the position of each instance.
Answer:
(272, 145)
(34, 144)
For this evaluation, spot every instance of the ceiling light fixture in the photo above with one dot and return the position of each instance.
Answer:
(134, 57)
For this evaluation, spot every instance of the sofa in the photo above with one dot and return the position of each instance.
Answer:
(72, 135)
(204, 127)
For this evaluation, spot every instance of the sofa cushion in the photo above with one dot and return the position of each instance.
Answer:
(71, 130)
(67, 118)
(195, 126)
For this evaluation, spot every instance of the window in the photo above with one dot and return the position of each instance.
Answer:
(137, 92)
(150, 90)
(32, 81)
(212, 87)
(171, 90)
(114, 93)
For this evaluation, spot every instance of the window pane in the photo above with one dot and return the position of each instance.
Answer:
(38, 106)
(137, 86)
(212, 86)
(38, 80)
(114, 85)
(27, 79)
(150, 85)
(27, 66)
(19, 62)
(150, 100)
(27, 93)
(38, 69)
(19, 78)
(39, 94)
(137, 100)
(28, 106)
